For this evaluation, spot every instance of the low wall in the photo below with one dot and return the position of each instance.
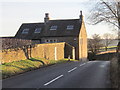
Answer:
(48, 51)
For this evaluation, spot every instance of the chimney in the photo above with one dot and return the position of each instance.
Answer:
(81, 16)
(46, 19)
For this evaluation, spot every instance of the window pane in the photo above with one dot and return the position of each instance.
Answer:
(53, 28)
(70, 27)
(25, 31)
(37, 30)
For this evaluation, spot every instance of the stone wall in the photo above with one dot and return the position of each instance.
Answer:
(49, 51)
(72, 40)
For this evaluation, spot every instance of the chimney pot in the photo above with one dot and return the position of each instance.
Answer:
(80, 17)
(80, 12)
(46, 19)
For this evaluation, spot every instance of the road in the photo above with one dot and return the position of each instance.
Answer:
(92, 74)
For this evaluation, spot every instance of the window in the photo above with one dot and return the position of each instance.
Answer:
(25, 31)
(55, 40)
(70, 27)
(47, 40)
(53, 28)
(37, 30)
(51, 41)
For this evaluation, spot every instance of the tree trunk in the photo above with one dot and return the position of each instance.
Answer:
(105, 48)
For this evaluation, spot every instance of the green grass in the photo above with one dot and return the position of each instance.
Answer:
(108, 48)
(17, 67)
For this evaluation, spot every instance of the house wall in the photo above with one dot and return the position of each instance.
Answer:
(40, 51)
(83, 43)
(73, 41)
(48, 50)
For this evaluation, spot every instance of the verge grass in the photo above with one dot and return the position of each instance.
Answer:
(17, 67)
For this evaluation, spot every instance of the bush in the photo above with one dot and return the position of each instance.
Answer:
(114, 73)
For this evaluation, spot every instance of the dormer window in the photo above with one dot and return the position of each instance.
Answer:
(25, 31)
(70, 27)
(53, 27)
(37, 30)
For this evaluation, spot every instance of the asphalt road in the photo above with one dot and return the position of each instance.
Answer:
(92, 74)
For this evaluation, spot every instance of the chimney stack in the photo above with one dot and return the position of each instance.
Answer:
(81, 16)
(46, 19)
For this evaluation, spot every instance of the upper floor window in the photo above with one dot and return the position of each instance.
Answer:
(25, 31)
(53, 27)
(70, 27)
(37, 30)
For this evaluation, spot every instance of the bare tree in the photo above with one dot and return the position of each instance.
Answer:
(106, 11)
(94, 43)
(108, 39)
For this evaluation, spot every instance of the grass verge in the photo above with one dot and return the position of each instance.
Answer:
(17, 67)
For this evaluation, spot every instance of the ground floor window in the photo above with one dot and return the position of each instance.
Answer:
(51, 40)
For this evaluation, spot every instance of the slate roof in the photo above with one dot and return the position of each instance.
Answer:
(61, 30)
(31, 34)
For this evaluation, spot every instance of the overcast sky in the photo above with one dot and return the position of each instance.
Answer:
(15, 12)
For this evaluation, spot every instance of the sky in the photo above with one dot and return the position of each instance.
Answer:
(15, 12)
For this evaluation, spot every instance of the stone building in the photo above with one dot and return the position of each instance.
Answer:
(71, 31)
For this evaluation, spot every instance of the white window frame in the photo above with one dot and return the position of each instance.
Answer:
(37, 30)
(25, 31)
(53, 27)
(70, 27)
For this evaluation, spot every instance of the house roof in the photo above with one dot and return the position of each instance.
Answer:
(61, 30)
(31, 27)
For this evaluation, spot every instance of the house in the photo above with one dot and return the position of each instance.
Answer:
(71, 31)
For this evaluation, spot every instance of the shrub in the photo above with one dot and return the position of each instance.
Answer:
(114, 73)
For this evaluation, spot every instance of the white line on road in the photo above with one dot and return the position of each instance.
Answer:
(82, 64)
(53, 80)
(72, 69)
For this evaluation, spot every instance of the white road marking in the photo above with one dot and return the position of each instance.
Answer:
(82, 64)
(53, 80)
(72, 69)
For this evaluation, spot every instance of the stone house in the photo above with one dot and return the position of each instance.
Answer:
(71, 31)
